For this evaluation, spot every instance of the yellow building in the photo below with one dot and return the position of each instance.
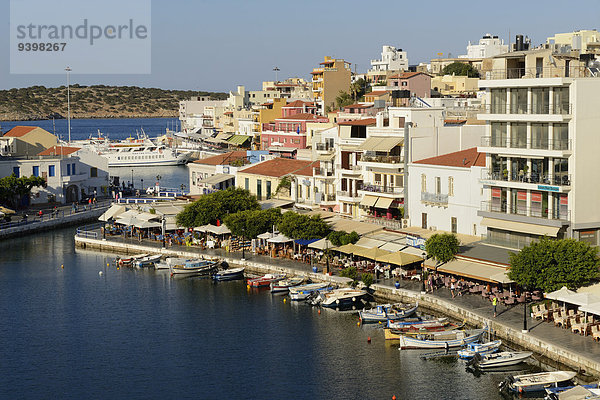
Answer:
(578, 40)
(452, 85)
(26, 141)
(328, 81)
(262, 179)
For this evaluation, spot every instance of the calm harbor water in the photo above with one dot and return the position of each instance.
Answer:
(139, 334)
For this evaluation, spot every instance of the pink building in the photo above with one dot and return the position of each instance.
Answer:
(288, 131)
(418, 83)
(298, 107)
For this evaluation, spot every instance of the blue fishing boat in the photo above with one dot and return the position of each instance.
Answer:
(479, 348)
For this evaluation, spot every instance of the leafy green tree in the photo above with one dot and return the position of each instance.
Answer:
(299, 226)
(343, 99)
(461, 69)
(551, 264)
(358, 88)
(340, 238)
(12, 189)
(442, 247)
(216, 206)
(251, 223)
(285, 186)
(367, 279)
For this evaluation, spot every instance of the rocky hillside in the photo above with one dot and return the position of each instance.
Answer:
(99, 101)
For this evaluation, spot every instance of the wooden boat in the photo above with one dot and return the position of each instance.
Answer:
(230, 274)
(502, 359)
(440, 340)
(479, 348)
(417, 324)
(265, 280)
(194, 267)
(147, 261)
(394, 334)
(339, 298)
(299, 293)
(169, 262)
(128, 261)
(284, 285)
(536, 382)
(385, 312)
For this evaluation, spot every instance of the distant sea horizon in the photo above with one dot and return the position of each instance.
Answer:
(113, 128)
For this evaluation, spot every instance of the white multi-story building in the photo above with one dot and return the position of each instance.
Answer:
(445, 192)
(71, 174)
(193, 113)
(392, 59)
(489, 46)
(542, 148)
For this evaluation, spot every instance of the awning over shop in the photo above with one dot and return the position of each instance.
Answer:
(384, 202)
(593, 308)
(348, 225)
(238, 139)
(381, 144)
(224, 136)
(369, 201)
(562, 294)
(113, 212)
(218, 230)
(472, 269)
(520, 227)
(279, 238)
(216, 179)
(321, 244)
(399, 258)
(393, 247)
(326, 157)
(369, 243)
(371, 253)
(279, 149)
(305, 242)
(348, 248)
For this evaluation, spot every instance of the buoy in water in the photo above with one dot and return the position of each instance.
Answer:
(319, 311)
(394, 397)
(100, 273)
(62, 266)
(369, 339)
(358, 323)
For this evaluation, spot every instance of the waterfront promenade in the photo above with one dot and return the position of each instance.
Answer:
(556, 345)
(52, 218)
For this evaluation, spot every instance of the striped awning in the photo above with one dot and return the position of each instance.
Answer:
(238, 139)
(380, 144)
(368, 201)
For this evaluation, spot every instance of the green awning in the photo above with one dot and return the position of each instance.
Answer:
(238, 139)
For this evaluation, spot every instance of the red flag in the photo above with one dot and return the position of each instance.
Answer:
(218, 223)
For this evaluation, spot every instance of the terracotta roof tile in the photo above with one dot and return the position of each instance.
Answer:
(465, 158)
(19, 131)
(360, 122)
(223, 159)
(298, 104)
(59, 151)
(279, 167)
(407, 75)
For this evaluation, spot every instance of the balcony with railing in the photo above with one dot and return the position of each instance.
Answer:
(319, 172)
(323, 147)
(384, 189)
(349, 168)
(555, 213)
(536, 72)
(348, 195)
(521, 108)
(438, 199)
(523, 143)
(562, 179)
(383, 159)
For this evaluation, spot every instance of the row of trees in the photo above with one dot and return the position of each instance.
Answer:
(240, 211)
(13, 189)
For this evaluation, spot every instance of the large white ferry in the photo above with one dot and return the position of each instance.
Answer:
(135, 152)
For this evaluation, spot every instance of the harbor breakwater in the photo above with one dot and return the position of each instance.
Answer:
(552, 353)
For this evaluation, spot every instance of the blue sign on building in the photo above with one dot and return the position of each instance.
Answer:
(549, 188)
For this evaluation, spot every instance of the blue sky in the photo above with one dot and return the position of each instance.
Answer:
(216, 45)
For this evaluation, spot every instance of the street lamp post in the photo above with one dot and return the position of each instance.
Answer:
(276, 69)
(68, 69)
(164, 223)
(525, 330)
(132, 184)
(142, 180)
(423, 274)
(243, 246)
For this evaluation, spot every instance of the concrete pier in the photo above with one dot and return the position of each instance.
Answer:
(556, 345)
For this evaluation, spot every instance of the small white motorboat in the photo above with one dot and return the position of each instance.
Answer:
(441, 340)
(147, 261)
(479, 348)
(536, 382)
(285, 284)
(299, 293)
(502, 359)
(194, 267)
(339, 298)
(385, 312)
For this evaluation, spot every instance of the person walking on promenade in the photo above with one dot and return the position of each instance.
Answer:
(452, 287)
(495, 304)
(430, 283)
(41, 214)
